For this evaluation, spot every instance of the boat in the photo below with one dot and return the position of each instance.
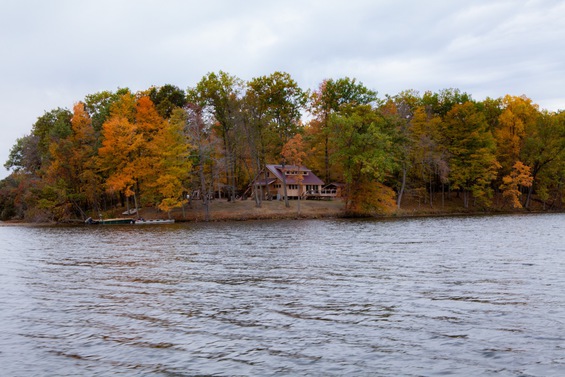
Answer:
(122, 220)
(125, 220)
(155, 221)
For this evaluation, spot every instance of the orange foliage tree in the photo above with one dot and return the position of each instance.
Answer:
(519, 177)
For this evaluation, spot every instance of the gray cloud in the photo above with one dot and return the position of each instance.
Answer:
(56, 52)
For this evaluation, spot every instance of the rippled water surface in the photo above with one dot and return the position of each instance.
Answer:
(418, 297)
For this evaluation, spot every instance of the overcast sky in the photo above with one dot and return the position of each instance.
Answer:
(55, 52)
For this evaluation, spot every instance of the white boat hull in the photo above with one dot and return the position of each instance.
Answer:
(150, 222)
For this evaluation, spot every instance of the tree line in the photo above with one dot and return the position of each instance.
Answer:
(157, 146)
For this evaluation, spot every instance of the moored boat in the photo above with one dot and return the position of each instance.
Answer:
(123, 220)
(155, 221)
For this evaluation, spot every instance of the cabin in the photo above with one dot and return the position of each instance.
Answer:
(300, 182)
(334, 189)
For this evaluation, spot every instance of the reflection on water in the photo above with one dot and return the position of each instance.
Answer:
(462, 296)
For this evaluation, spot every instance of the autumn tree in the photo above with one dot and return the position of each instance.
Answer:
(255, 122)
(428, 154)
(51, 127)
(32, 155)
(196, 127)
(363, 149)
(471, 147)
(281, 101)
(72, 172)
(119, 145)
(440, 103)
(518, 116)
(331, 97)
(220, 95)
(519, 177)
(544, 150)
(98, 106)
(19, 195)
(25, 155)
(170, 149)
(153, 161)
(400, 111)
(166, 98)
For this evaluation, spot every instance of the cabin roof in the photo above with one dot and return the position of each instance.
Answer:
(308, 179)
(335, 184)
(264, 182)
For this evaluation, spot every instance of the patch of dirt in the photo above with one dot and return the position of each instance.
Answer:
(221, 210)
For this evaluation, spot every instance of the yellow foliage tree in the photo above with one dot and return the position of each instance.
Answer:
(519, 177)
(368, 197)
(518, 116)
(143, 153)
(172, 165)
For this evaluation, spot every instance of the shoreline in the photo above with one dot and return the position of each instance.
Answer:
(223, 211)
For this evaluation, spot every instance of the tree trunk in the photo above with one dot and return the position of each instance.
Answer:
(127, 204)
(135, 203)
(205, 201)
(327, 158)
(402, 187)
(442, 195)
(431, 193)
(267, 184)
(465, 198)
(286, 203)
(298, 203)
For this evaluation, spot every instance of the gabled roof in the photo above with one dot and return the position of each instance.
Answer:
(335, 184)
(308, 179)
(263, 182)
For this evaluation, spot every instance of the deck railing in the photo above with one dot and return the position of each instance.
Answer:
(324, 193)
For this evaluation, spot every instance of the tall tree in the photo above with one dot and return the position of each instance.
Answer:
(471, 148)
(151, 129)
(363, 148)
(544, 149)
(518, 116)
(119, 145)
(441, 103)
(332, 97)
(220, 95)
(511, 184)
(50, 128)
(428, 155)
(171, 165)
(400, 110)
(25, 155)
(282, 100)
(98, 106)
(167, 98)
(69, 183)
(198, 131)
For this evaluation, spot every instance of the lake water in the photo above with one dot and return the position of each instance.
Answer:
(415, 297)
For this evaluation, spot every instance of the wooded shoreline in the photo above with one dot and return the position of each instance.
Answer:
(159, 147)
(224, 211)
